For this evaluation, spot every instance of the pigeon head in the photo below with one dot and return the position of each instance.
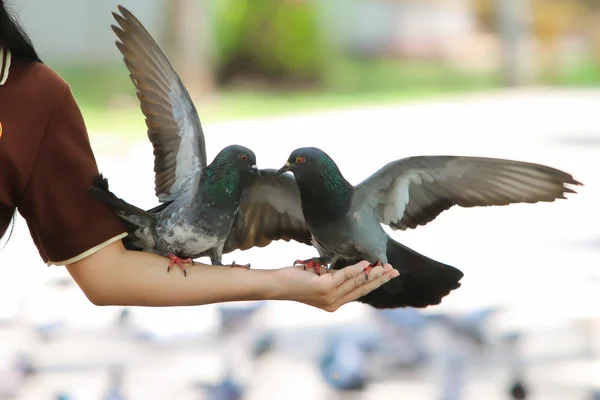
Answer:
(319, 178)
(307, 162)
(239, 158)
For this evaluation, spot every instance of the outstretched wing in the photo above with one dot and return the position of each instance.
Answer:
(271, 210)
(413, 191)
(173, 124)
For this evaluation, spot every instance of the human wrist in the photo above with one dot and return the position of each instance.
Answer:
(274, 286)
(260, 284)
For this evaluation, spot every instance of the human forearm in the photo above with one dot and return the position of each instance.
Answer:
(115, 276)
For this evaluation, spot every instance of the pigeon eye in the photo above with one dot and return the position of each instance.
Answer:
(300, 160)
(243, 156)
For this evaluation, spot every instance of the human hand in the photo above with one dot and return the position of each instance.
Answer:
(330, 291)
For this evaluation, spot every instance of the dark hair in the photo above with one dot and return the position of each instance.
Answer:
(13, 36)
(9, 229)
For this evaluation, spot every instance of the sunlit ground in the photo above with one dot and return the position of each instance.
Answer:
(538, 262)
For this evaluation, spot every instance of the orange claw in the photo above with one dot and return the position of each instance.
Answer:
(368, 269)
(312, 263)
(176, 260)
(234, 264)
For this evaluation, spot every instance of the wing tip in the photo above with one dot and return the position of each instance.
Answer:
(571, 184)
(119, 18)
(124, 11)
(575, 182)
(120, 34)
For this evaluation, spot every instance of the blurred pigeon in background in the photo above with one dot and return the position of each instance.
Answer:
(595, 395)
(452, 351)
(366, 337)
(452, 377)
(343, 365)
(228, 388)
(115, 388)
(343, 362)
(518, 390)
(263, 344)
(49, 331)
(406, 318)
(236, 315)
(471, 325)
(11, 380)
(405, 343)
(63, 396)
(518, 387)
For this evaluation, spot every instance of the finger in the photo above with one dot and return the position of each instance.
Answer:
(359, 280)
(387, 267)
(366, 288)
(348, 273)
(323, 270)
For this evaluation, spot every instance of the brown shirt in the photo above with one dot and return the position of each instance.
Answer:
(46, 165)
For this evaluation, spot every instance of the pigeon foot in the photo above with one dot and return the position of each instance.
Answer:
(371, 266)
(179, 261)
(234, 264)
(315, 263)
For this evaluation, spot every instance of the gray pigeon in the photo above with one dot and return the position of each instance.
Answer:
(345, 220)
(206, 210)
(198, 221)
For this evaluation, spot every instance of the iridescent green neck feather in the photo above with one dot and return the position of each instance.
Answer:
(326, 194)
(222, 183)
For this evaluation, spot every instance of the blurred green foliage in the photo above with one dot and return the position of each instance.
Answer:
(110, 106)
(109, 103)
(583, 74)
(270, 41)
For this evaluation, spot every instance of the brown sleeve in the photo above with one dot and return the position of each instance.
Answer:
(65, 223)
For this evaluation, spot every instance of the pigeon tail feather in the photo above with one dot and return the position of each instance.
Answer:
(125, 211)
(422, 282)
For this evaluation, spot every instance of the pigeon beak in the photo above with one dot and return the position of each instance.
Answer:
(286, 167)
(254, 170)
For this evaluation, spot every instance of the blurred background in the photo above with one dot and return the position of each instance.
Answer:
(369, 81)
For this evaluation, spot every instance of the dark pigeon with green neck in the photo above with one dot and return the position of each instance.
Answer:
(345, 221)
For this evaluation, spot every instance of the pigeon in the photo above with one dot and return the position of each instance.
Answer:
(518, 387)
(345, 221)
(236, 316)
(263, 344)
(115, 389)
(15, 378)
(518, 390)
(471, 326)
(343, 365)
(228, 388)
(198, 221)
(452, 375)
(206, 210)
(594, 395)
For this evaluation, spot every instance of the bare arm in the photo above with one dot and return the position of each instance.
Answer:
(116, 276)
